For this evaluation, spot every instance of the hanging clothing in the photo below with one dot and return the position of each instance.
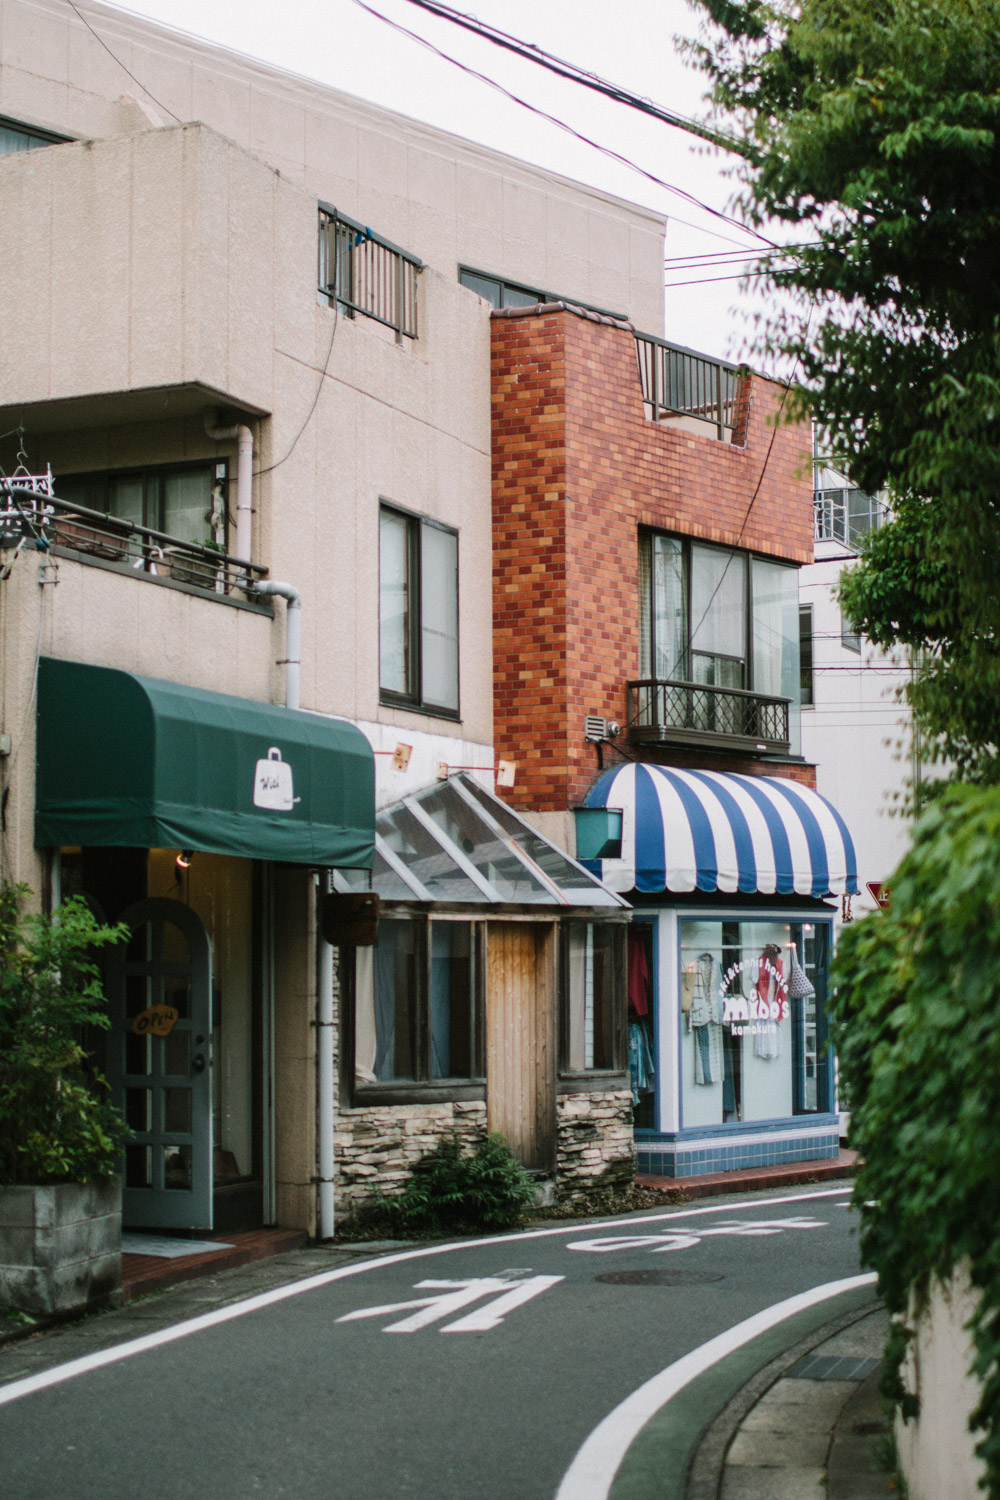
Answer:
(642, 1070)
(705, 1020)
(638, 976)
(770, 997)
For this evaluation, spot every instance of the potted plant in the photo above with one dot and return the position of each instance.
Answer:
(60, 1138)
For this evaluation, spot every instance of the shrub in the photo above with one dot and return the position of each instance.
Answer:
(54, 1124)
(453, 1191)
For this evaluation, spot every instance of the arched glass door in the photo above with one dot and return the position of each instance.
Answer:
(159, 1064)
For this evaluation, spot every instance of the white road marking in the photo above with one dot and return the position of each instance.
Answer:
(658, 1243)
(102, 1357)
(592, 1472)
(459, 1294)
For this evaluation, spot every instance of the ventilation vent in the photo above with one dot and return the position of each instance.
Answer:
(595, 728)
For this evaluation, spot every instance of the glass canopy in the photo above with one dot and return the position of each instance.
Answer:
(456, 843)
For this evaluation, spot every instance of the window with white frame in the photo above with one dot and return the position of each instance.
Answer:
(418, 612)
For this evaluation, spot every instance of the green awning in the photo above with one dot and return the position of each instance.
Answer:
(138, 762)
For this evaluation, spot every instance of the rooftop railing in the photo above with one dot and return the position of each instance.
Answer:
(662, 712)
(677, 383)
(364, 273)
(29, 514)
(846, 515)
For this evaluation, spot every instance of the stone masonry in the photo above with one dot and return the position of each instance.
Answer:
(595, 1147)
(376, 1146)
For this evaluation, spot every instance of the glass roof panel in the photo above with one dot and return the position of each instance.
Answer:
(490, 854)
(573, 882)
(429, 860)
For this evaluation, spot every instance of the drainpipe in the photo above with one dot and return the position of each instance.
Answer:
(244, 478)
(293, 634)
(324, 955)
(324, 1077)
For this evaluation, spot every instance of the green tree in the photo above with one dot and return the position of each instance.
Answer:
(871, 126)
(55, 1126)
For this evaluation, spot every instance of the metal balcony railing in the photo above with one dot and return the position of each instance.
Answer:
(677, 382)
(28, 514)
(846, 515)
(364, 273)
(661, 712)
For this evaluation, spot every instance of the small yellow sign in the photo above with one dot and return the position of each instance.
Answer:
(159, 1020)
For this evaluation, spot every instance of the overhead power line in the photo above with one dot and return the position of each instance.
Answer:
(564, 125)
(563, 69)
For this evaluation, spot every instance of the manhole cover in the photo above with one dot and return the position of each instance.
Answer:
(657, 1278)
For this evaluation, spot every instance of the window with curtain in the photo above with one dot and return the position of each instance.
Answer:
(417, 1005)
(717, 616)
(418, 612)
(186, 501)
(593, 991)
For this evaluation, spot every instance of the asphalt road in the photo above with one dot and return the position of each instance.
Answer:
(477, 1369)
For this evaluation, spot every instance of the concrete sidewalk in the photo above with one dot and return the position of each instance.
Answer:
(810, 1426)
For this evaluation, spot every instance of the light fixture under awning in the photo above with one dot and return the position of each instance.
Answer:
(717, 831)
(128, 761)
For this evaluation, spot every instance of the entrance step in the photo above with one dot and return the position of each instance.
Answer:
(755, 1179)
(151, 1273)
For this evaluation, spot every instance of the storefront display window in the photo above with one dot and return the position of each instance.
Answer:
(753, 1023)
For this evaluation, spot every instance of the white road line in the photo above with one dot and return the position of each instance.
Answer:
(592, 1472)
(102, 1357)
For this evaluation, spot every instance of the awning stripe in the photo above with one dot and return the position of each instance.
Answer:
(714, 831)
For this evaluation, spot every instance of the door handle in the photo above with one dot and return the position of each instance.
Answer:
(198, 1063)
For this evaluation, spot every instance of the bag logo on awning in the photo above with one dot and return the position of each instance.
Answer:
(272, 783)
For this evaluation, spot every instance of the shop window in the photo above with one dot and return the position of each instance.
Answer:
(418, 1004)
(592, 982)
(186, 502)
(418, 612)
(753, 1021)
(641, 1031)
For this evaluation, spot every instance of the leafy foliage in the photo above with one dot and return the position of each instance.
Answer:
(453, 1191)
(873, 126)
(54, 1126)
(915, 1026)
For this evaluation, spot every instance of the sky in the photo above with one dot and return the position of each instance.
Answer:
(629, 42)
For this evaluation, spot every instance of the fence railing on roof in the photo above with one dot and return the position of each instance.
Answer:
(364, 273)
(677, 383)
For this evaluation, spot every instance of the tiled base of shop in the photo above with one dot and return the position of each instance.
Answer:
(755, 1179)
(151, 1273)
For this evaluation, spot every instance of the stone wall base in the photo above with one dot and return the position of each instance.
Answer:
(61, 1247)
(595, 1145)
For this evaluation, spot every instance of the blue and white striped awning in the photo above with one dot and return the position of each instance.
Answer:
(715, 831)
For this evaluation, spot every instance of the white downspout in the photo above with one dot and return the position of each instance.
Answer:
(324, 955)
(293, 634)
(244, 479)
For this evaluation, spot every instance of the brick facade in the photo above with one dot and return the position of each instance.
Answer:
(577, 469)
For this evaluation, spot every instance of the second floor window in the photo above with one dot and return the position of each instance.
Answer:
(418, 612)
(717, 617)
(187, 502)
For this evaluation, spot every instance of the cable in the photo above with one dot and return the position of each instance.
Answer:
(531, 52)
(315, 401)
(562, 125)
(158, 102)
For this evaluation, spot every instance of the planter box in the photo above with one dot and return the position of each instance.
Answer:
(61, 1247)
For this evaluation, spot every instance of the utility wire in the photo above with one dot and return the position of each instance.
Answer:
(563, 69)
(158, 102)
(562, 125)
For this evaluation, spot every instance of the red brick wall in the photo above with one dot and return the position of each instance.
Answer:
(577, 468)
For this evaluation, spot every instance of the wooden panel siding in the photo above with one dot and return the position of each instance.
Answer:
(520, 1061)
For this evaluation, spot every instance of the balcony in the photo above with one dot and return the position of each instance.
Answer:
(363, 273)
(687, 390)
(29, 513)
(661, 712)
(846, 515)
